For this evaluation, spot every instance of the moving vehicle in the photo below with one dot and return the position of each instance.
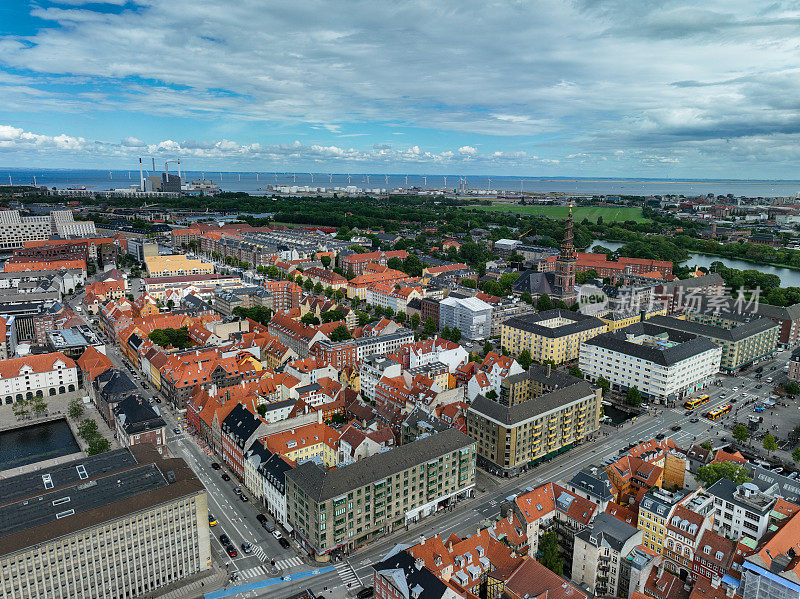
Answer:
(176, 430)
(247, 547)
(691, 404)
(675, 428)
(758, 409)
(225, 476)
(718, 412)
(216, 466)
(244, 497)
(660, 436)
(231, 551)
(693, 420)
(261, 518)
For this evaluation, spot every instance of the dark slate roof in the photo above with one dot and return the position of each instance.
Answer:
(100, 488)
(743, 331)
(530, 322)
(421, 583)
(278, 405)
(595, 483)
(113, 383)
(512, 415)
(537, 372)
(240, 424)
(688, 345)
(725, 489)
(274, 471)
(607, 530)
(776, 484)
(420, 420)
(535, 283)
(321, 485)
(701, 281)
(137, 416)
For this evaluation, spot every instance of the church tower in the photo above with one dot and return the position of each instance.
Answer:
(565, 265)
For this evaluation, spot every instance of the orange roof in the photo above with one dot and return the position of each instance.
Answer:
(92, 362)
(38, 363)
(724, 456)
(300, 437)
(55, 264)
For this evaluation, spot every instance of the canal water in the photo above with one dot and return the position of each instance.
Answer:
(789, 277)
(34, 443)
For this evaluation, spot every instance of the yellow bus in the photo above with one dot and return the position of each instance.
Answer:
(719, 412)
(691, 404)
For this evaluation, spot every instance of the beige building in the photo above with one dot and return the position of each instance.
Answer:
(176, 265)
(112, 526)
(347, 507)
(538, 415)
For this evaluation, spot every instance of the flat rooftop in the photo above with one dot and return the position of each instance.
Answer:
(52, 502)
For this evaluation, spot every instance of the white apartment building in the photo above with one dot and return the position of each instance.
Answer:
(382, 344)
(470, 315)
(120, 524)
(665, 365)
(51, 374)
(740, 510)
(16, 229)
(373, 369)
(387, 295)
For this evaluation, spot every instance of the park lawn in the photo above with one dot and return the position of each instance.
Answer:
(609, 213)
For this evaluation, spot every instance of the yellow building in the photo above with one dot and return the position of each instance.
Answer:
(176, 265)
(316, 440)
(550, 335)
(655, 510)
(539, 413)
(619, 320)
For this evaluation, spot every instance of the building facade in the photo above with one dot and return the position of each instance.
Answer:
(117, 525)
(550, 335)
(347, 507)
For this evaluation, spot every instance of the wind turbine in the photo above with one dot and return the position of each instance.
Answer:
(348, 178)
(522, 185)
(425, 179)
(406, 180)
(330, 176)
(294, 178)
(312, 178)
(445, 182)
(490, 184)
(386, 179)
(367, 179)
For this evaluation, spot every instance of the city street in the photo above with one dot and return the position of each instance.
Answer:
(237, 519)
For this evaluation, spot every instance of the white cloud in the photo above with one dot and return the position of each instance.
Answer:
(467, 150)
(565, 79)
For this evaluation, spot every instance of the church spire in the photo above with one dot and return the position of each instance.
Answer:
(568, 243)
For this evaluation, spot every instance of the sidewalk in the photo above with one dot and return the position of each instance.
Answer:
(195, 586)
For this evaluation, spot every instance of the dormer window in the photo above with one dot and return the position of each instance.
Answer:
(707, 550)
(718, 556)
(675, 521)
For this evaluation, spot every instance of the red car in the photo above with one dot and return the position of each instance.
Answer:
(232, 551)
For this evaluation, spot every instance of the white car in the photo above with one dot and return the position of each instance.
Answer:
(277, 534)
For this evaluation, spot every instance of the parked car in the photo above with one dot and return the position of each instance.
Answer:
(224, 539)
(176, 430)
(277, 534)
(212, 521)
(261, 518)
(244, 497)
(694, 420)
(225, 476)
(660, 436)
(268, 526)
(675, 428)
(284, 543)
(365, 593)
(216, 466)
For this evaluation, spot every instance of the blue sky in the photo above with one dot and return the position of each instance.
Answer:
(647, 88)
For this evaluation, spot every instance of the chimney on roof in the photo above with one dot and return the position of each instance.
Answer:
(421, 539)
(419, 563)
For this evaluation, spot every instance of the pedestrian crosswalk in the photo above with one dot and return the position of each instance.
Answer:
(285, 564)
(254, 572)
(259, 553)
(347, 574)
(264, 570)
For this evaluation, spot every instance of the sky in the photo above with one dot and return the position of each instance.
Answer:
(590, 88)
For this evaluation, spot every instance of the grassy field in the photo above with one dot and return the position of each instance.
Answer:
(609, 213)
